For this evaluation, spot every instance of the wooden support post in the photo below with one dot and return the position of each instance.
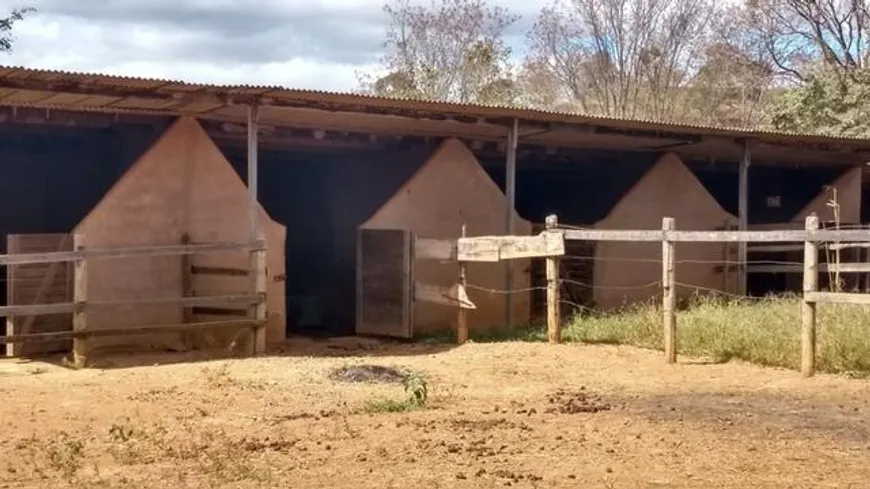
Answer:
(808, 309)
(554, 321)
(187, 291)
(259, 310)
(257, 258)
(743, 214)
(511, 193)
(253, 205)
(80, 297)
(462, 320)
(669, 293)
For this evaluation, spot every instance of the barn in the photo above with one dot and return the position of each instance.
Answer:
(123, 162)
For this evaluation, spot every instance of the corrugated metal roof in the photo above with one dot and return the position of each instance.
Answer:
(51, 83)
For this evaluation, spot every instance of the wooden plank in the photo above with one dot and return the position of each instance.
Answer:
(477, 250)
(847, 267)
(497, 248)
(259, 289)
(808, 308)
(717, 236)
(836, 298)
(215, 300)
(434, 249)
(80, 297)
(775, 248)
(135, 330)
(554, 321)
(669, 298)
(118, 253)
(454, 296)
(462, 312)
(845, 246)
(37, 309)
(743, 215)
(220, 271)
(71, 307)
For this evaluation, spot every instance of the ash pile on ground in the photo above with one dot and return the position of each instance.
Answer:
(573, 402)
(368, 373)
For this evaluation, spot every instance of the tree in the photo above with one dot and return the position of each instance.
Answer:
(6, 25)
(827, 103)
(449, 50)
(626, 58)
(798, 34)
(735, 84)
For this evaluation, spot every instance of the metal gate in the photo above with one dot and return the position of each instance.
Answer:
(384, 275)
(39, 283)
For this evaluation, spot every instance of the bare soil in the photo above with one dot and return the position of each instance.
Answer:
(499, 415)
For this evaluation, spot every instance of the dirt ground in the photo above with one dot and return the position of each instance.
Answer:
(499, 415)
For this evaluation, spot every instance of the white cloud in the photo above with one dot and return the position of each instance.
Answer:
(318, 44)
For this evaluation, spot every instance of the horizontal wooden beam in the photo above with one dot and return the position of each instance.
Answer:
(717, 236)
(69, 307)
(846, 267)
(134, 330)
(497, 248)
(435, 249)
(837, 298)
(133, 252)
(775, 248)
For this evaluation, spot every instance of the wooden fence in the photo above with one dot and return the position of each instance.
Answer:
(550, 245)
(254, 301)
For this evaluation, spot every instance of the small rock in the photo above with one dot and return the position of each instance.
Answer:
(572, 476)
(608, 470)
(461, 476)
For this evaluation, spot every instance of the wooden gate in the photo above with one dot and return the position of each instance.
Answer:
(39, 283)
(384, 274)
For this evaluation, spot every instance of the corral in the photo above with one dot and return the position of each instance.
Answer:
(325, 167)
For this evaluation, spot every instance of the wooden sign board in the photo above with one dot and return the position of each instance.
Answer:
(497, 248)
(435, 249)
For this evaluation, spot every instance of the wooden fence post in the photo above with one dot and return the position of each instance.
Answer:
(669, 292)
(462, 319)
(259, 289)
(808, 309)
(80, 298)
(554, 321)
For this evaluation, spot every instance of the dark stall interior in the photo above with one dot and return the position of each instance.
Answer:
(52, 176)
(322, 197)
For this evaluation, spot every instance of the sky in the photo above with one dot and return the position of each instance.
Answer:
(317, 44)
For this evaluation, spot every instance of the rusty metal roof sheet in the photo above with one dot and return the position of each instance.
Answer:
(72, 90)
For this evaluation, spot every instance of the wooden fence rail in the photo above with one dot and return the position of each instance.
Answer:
(811, 237)
(254, 300)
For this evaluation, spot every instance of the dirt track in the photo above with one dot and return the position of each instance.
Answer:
(501, 415)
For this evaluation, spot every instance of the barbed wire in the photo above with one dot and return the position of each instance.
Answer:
(611, 287)
(713, 291)
(504, 292)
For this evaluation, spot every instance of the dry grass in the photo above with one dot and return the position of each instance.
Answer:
(762, 331)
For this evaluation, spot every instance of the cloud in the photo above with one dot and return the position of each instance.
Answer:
(300, 43)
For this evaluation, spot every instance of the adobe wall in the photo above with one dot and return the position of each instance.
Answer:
(847, 189)
(181, 185)
(669, 189)
(452, 189)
